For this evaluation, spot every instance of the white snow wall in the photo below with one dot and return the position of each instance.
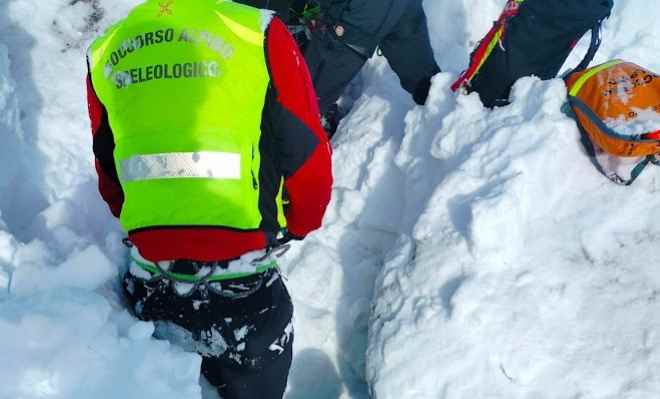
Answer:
(10, 134)
(64, 333)
(525, 274)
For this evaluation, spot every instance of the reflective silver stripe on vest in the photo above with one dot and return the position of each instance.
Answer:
(182, 165)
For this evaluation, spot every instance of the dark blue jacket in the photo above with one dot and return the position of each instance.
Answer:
(365, 22)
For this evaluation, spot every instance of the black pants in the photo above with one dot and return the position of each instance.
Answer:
(243, 329)
(397, 27)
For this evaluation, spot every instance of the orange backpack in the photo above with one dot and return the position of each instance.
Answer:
(617, 107)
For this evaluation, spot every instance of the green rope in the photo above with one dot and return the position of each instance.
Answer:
(187, 278)
(308, 13)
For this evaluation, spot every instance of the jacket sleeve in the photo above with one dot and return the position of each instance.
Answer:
(303, 153)
(103, 146)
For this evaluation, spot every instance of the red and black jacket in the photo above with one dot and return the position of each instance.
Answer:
(293, 146)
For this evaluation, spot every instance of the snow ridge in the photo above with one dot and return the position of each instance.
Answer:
(527, 274)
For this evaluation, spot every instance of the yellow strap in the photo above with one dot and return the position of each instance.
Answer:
(489, 49)
(577, 86)
(494, 42)
(491, 46)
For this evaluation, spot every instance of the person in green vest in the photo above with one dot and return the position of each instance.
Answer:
(202, 114)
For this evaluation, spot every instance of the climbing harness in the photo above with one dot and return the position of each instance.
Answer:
(231, 279)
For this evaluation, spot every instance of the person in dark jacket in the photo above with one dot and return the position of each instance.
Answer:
(201, 112)
(350, 32)
(347, 35)
(281, 7)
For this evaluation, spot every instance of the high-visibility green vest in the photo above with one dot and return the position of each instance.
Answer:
(184, 85)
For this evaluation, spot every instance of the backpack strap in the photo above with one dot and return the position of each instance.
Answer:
(634, 174)
(591, 149)
(495, 35)
(652, 135)
(613, 176)
(596, 39)
(593, 118)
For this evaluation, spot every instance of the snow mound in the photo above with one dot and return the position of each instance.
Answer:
(519, 271)
(471, 221)
(527, 274)
(89, 269)
(71, 344)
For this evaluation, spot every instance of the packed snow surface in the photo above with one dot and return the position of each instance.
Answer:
(527, 274)
(467, 252)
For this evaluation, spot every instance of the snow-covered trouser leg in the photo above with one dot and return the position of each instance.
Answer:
(243, 329)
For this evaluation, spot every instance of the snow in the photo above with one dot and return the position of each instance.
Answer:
(644, 121)
(88, 269)
(10, 127)
(71, 343)
(182, 338)
(466, 253)
(526, 274)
